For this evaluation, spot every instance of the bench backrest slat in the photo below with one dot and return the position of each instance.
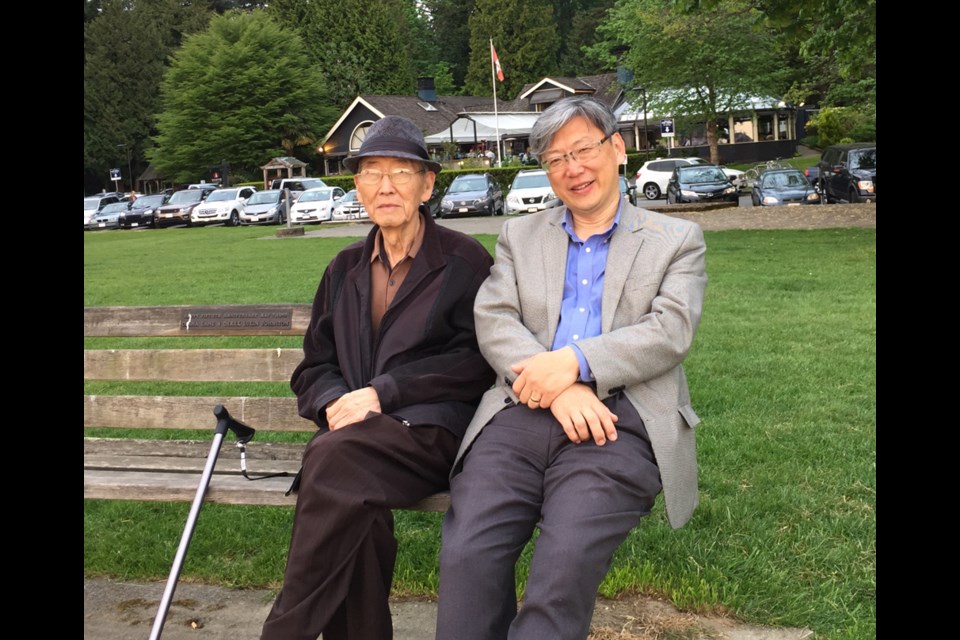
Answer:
(191, 365)
(189, 412)
(217, 320)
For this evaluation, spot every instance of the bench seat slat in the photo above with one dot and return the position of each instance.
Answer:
(182, 487)
(191, 365)
(129, 447)
(191, 412)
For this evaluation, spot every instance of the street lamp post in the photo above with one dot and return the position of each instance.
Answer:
(129, 165)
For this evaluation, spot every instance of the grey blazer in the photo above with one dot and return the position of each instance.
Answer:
(652, 300)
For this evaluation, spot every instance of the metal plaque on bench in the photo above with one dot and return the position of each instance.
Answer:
(245, 321)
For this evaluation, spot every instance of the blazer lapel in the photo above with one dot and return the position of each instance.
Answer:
(554, 247)
(624, 246)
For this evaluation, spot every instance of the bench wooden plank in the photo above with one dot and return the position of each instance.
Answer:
(189, 449)
(191, 365)
(182, 487)
(181, 464)
(191, 412)
(168, 321)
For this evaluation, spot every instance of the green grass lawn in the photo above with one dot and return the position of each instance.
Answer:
(783, 373)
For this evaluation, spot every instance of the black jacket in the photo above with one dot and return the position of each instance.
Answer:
(424, 362)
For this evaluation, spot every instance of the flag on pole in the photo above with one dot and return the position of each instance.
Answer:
(496, 61)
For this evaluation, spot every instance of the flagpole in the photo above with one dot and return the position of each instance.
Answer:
(496, 115)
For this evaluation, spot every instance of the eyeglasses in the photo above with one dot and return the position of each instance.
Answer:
(397, 176)
(585, 153)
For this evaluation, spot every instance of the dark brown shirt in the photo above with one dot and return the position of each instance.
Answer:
(384, 280)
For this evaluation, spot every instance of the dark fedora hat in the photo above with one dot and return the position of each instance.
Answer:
(393, 137)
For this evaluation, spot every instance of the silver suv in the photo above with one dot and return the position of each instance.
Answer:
(531, 192)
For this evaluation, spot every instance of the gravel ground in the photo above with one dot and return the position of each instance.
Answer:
(802, 217)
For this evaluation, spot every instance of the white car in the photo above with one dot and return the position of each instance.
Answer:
(531, 192)
(349, 208)
(653, 176)
(222, 205)
(315, 205)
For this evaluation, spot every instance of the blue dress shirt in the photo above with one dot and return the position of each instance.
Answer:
(583, 289)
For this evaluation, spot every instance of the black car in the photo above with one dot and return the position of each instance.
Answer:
(783, 187)
(701, 183)
(848, 172)
(141, 211)
(472, 194)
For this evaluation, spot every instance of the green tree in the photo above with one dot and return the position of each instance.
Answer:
(582, 32)
(126, 45)
(524, 33)
(359, 46)
(242, 91)
(695, 64)
(448, 24)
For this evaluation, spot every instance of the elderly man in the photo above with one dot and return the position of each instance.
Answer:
(392, 375)
(587, 316)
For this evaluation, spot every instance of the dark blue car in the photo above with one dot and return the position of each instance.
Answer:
(783, 187)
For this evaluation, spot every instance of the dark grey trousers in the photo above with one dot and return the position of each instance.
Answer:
(520, 471)
(342, 549)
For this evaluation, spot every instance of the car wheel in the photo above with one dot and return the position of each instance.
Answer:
(824, 196)
(754, 200)
(234, 219)
(651, 191)
(854, 196)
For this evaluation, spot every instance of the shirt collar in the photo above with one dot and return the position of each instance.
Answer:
(414, 248)
(567, 223)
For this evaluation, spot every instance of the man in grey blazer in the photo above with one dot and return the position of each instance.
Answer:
(587, 316)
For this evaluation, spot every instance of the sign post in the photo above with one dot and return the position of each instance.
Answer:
(666, 130)
(115, 176)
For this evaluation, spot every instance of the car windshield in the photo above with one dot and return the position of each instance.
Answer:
(863, 159)
(264, 197)
(784, 179)
(91, 204)
(462, 186)
(696, 161)
(222, 195)
(350, 196)
(315, 196)
(312, 184)
(530, 181)
(114, 207)
(701, 175)
(149, 201)
(186, 196)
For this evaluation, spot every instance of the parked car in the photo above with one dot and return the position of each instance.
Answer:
(848, 172)
(109, 216)
(471, 194)
(140, 213)
(92, 205)
(349, 208)
(701, 183)
(179, 207)
(315, 205)
(297, 185)
(531, 192)
(222, 205)
(264, 207)
(783, 187)
(628, 191)
(652, 177)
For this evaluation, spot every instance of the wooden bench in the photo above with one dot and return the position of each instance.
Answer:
(119, 468)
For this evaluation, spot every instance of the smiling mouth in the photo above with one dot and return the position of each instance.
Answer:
(581, 186)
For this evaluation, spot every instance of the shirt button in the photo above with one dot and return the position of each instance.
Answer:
(391, 283)
(584, 281)
(582, 310)
(588, 249)
(576, 337)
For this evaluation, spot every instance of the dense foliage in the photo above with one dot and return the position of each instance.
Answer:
(814, 52)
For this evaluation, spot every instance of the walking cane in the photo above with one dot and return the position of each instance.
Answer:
(244, 435)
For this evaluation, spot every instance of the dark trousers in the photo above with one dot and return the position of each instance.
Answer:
(342, 549)
(520, 471)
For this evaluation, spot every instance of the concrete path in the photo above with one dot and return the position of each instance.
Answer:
(114, 610)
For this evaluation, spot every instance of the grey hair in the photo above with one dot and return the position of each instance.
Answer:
(561, 112)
